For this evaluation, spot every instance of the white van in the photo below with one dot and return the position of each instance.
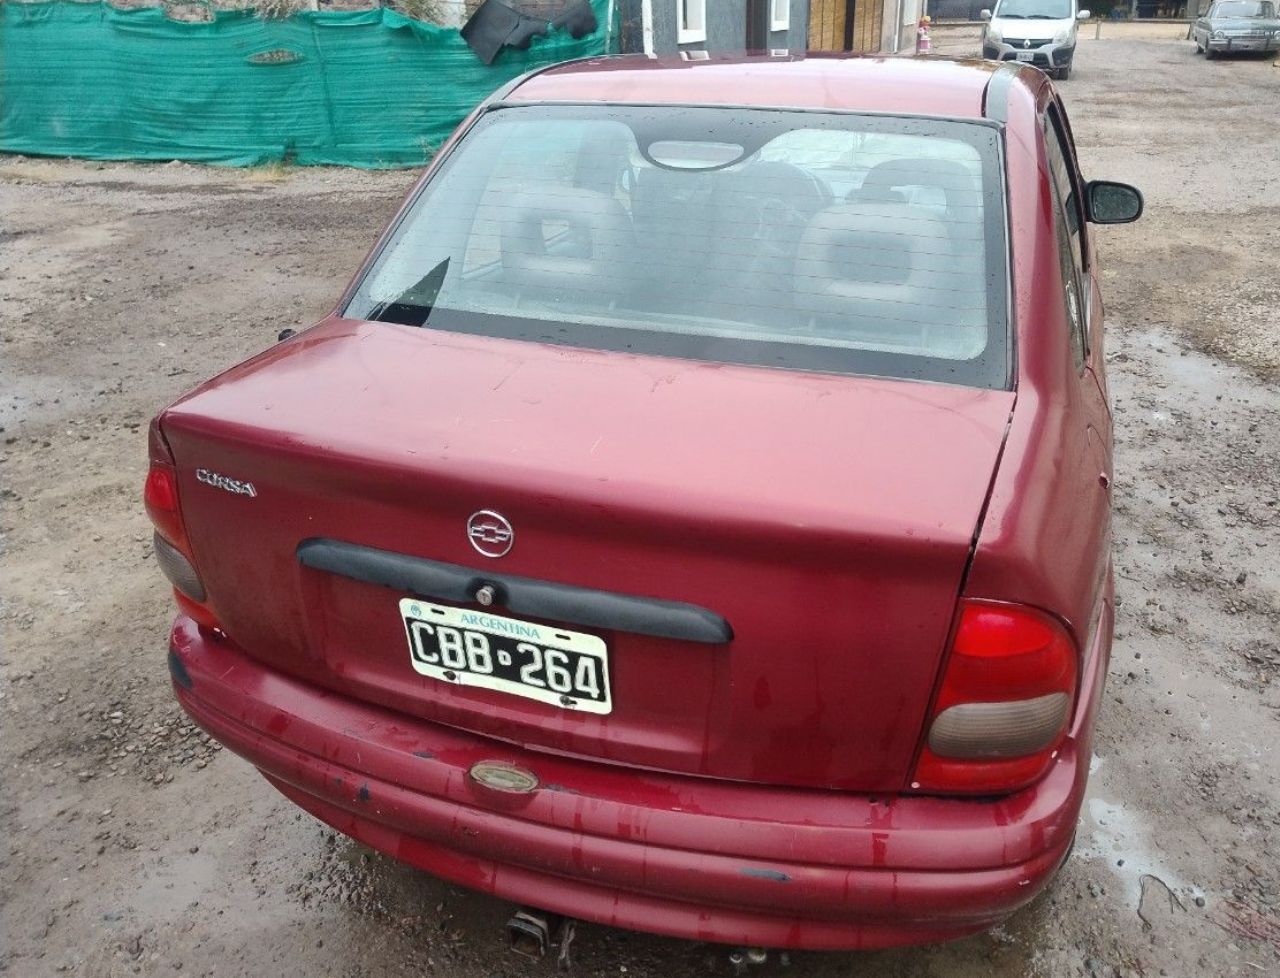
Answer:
(1039, 32)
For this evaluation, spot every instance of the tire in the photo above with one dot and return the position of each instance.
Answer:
(1208, 52)
(1063, 73)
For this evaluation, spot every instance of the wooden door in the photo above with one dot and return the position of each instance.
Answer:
(827, 20)
(845, 25)
(868, 20)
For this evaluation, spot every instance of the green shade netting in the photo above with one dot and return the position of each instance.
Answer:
(366, 88)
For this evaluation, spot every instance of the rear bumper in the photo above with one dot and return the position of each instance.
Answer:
(689, 857)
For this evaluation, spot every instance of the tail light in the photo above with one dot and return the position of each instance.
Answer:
(180, 571)
(1005, 703)
(173, 550)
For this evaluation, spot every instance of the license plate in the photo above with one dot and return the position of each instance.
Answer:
(1025, 55)
(566, 669)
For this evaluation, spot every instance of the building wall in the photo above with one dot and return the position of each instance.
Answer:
(797, 38)
(816, 25)
(873, 26)
(958, 9)
(726, 26)
(904, 15)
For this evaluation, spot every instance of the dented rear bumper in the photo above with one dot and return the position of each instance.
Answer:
(689, 857)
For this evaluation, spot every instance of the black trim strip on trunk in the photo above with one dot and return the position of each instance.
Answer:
(522, 595)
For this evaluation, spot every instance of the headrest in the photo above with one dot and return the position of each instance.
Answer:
(952, 178)
(868, 261)
(596, 250)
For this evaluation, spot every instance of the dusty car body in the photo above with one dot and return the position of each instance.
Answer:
(1237, 25)
(695, 516)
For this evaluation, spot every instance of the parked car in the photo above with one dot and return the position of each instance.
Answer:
(1039, 32)
(1237, 25)
(695, 515)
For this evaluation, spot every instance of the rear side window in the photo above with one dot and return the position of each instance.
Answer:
(835, 243)
(1070, 284)
(1069, 222)
(1058, 151)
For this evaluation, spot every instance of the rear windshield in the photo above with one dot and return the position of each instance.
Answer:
(835, 243)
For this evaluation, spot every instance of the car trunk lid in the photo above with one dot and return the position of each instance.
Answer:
(827, 520)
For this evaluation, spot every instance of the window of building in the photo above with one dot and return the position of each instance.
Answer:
(779, 15)
(693, 21)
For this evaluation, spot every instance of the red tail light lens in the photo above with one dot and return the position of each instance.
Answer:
(1005, 703)
(172, 549)
(197, 612)
(160, 493)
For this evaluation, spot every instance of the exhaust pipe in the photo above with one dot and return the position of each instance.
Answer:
(742, 958)
(533, 933)
(529, 932)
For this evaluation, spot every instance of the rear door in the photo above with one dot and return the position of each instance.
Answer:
(1084, 312)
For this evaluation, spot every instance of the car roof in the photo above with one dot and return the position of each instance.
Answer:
(906, 86)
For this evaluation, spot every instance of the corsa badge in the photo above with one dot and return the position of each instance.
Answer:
(225, 484)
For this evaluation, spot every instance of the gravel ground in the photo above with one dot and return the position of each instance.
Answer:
(129, 844)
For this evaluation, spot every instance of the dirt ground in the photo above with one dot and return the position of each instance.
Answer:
(129, 844)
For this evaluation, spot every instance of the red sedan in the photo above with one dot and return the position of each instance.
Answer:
(694, 517)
